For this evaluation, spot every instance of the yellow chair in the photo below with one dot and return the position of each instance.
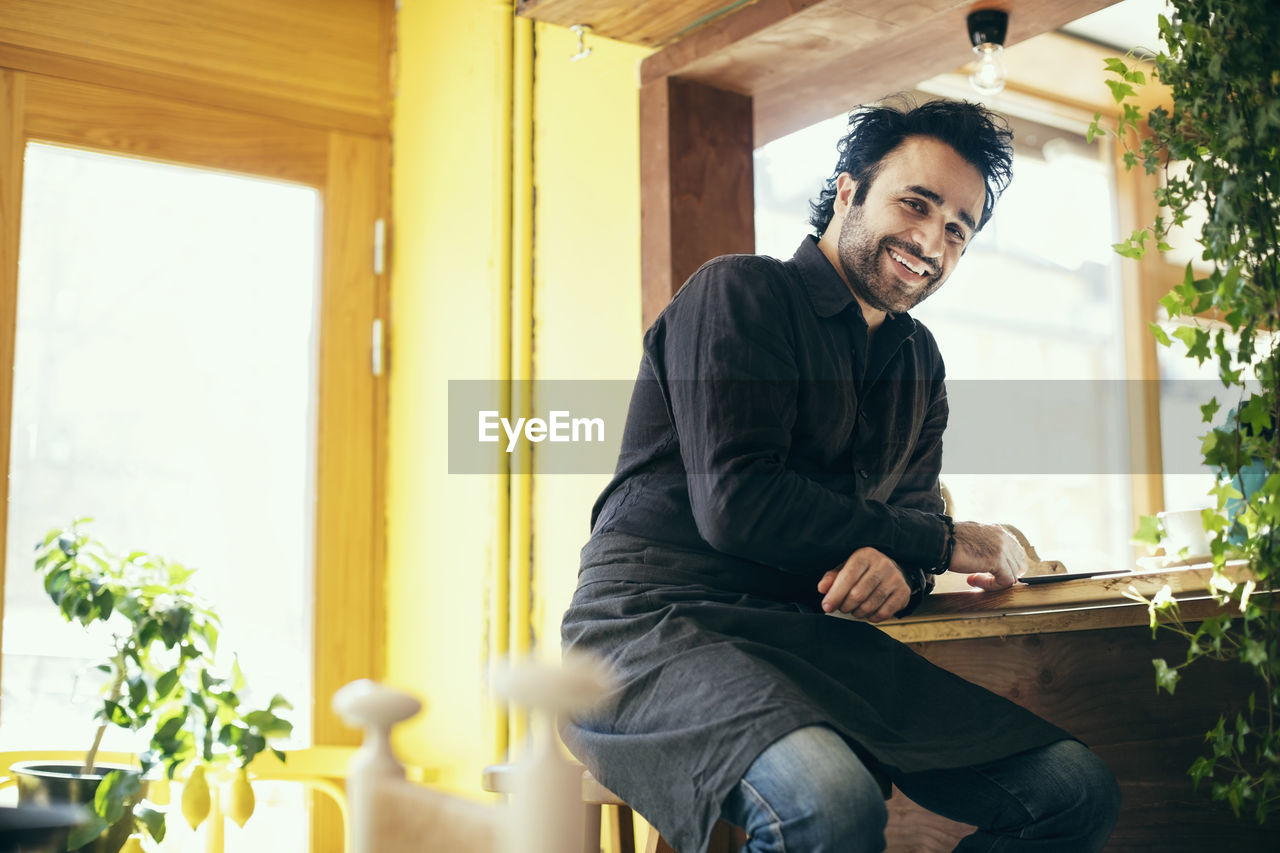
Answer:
(725, 838)
(317, 768)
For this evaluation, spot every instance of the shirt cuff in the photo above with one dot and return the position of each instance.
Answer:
(920, 539)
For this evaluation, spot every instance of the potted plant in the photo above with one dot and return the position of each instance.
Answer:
(1222, 66)
(161, 681)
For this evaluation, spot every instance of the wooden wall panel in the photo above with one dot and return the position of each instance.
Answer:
(697, 196)
(326, 61)
(1100, 686)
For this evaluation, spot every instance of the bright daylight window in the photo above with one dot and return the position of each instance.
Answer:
(165, 384)
(1035, 301)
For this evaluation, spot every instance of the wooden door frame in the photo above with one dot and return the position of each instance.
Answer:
(351, 172)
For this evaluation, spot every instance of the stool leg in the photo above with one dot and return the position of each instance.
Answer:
(724, 838)
(623, 832)
(657, 844)
(591, 832)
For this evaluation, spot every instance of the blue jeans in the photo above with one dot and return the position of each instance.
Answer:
(809, 793)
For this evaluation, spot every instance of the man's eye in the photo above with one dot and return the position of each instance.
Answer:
(915, 205)
(956, 233)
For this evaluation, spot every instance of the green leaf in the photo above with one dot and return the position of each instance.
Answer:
(116, 714)
(1200, 768)
(153, 820)
(209, 631)
(1148, 532)
(1116, 66)
(106, 602)
(137, 691)
(112, 792)
(1256, 415)
(268, 723)
(1253, 652)
(277, 702)
(86, 833)
(1161, 336)
(1209, 409)
(1196, 339)
(1120, 90)
(1166, 676)
(170, 727)
(166, 682)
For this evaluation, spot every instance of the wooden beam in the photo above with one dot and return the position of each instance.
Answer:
(697, 197)
(828, 57)
(646, 22)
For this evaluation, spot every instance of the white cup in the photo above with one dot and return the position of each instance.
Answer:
(1184, 534)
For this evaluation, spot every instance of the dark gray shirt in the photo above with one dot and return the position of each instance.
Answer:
(765, 428)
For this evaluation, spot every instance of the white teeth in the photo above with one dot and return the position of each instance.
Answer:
(906, 263)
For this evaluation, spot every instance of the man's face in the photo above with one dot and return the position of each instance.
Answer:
(905, 239)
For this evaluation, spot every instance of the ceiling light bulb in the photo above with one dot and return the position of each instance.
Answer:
(988, 78)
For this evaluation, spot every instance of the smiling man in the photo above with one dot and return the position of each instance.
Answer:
(780, 462)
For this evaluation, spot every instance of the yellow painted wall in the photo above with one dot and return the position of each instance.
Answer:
(445, 295)
(586, 271)
(447, 299)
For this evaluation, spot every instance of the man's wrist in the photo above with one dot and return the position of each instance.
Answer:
(919, 583)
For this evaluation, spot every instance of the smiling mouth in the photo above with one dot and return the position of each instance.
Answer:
(917, 268)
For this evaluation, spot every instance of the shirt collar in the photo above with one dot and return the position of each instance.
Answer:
(828, 293)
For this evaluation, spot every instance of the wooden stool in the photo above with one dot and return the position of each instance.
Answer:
(725, 838)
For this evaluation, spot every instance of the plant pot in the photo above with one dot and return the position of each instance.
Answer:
(55, 783)
(27, 828)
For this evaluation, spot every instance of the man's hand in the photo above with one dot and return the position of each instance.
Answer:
(869, 585)
(991, 557)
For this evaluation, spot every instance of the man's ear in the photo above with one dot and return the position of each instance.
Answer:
(846, 186)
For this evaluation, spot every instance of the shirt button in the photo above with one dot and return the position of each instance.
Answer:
(862, 472)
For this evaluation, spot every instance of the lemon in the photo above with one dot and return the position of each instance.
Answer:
(195, 797)
(133, 845)
(242, 799)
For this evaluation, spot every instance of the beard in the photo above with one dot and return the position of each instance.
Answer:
(862, 258)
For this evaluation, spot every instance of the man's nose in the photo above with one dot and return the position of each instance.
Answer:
(931, 236)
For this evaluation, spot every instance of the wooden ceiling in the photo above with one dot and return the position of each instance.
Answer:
(802, 60)
(652, 23)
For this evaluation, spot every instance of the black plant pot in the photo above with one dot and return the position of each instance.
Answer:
(52, 784)
(30, 828)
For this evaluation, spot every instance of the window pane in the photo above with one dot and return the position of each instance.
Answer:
(165, 380)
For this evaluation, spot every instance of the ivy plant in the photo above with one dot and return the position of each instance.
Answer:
(161, 677)
(1217, 149)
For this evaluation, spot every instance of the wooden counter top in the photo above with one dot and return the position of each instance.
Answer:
(1069, 605)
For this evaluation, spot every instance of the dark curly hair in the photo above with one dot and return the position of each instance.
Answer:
(978, 135)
